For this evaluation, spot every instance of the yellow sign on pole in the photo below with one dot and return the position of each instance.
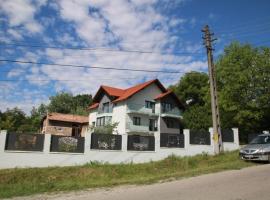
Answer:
(215, 137)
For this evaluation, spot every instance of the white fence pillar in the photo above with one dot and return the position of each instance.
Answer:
(87, 142)
(211, 131)
(47, 143)
(187, 138)
(157, 142)
(3, 135)
(236, 136)
(124, 142)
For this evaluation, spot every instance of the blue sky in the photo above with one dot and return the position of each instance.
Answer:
(169, 29)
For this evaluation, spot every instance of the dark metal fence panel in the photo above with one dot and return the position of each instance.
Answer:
(24, 142)
(141, 143)
(67, 144)
(172, 140)
(106, 141)
(227, 135)
(201, 137)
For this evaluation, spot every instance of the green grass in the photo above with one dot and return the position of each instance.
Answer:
(21, 182)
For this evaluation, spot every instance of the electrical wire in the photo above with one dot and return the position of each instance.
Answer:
(90, 67)
(96, 49)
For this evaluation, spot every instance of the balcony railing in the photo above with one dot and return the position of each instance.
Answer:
(106, 110)
(141, 109)
(143, 128)
(175, 112)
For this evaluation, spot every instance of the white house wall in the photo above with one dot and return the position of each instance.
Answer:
(119, 116)
(92, 116)
(148, 93)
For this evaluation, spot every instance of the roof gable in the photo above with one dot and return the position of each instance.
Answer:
(123, 94)
(173, 95)
(110, 91)
(137, 88)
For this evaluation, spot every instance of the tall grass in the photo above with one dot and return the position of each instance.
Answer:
(19, 182)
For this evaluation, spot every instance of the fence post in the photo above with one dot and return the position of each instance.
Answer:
(3, 135)
(47, 143)
(211, 131)
(187, 138)
(87, 142)
(124, 142)
(157, 142)
(236, 136)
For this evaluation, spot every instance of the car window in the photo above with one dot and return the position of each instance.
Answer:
(261, 140)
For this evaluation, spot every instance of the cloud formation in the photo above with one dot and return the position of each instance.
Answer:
(101, 24)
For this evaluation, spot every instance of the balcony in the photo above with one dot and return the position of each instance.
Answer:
(143, 128)
(141, 109)
(175, 113)
(105, 111)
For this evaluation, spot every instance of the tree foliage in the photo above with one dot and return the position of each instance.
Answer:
(67, 103)
(243, 74)
(193, 88)
(243, 79)
(15, 120)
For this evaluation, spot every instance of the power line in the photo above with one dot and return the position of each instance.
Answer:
(96, 49)
(91, 67)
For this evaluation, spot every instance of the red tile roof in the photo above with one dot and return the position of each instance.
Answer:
(68, 118)
(116, 92)
(160, 96)
(95, 105)
(133, 90)
(170, 92)
(123, 94)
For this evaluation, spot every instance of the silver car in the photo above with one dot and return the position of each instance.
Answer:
(258, 149)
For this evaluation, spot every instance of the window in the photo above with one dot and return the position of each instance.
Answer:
(106, 107)
(152, 125)
(136, 121)
(102, 121)
(171, 123)
(150, 105)
(166, 107)
(108, 120)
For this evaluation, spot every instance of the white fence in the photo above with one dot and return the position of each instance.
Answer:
(45, 158)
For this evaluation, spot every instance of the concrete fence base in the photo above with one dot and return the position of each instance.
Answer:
(12, 159)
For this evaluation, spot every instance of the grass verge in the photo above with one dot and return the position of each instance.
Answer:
(21, 182)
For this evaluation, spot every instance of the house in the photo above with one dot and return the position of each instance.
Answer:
(143, 109)
(65, 124)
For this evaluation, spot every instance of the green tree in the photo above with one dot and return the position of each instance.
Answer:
(243, 74)
(193, 88)
(12, 119)
(67, 103)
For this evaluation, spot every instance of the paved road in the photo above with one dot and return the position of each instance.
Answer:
(246, 184)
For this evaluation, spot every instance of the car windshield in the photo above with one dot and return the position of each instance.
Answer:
(261, 140)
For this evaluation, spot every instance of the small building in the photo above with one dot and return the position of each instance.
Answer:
(64, 124)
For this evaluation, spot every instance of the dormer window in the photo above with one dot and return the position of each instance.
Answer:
(166, 107)
(106, 107)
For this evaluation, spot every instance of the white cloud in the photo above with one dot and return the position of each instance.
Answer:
(21, 13)
(119, 24)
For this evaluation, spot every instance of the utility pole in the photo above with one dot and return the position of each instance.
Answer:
(213, 90)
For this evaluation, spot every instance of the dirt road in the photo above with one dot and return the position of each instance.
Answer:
(246, 184)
